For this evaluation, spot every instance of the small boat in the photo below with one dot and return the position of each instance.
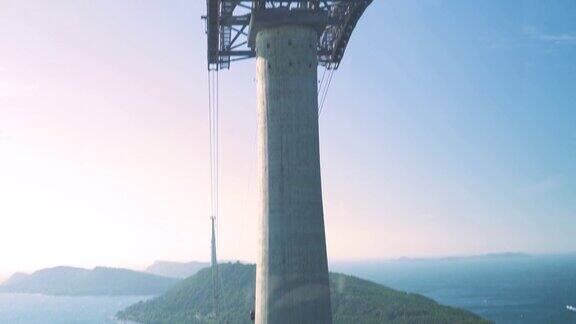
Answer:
(571, 308)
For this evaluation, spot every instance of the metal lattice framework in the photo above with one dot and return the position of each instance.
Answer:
(228, 24)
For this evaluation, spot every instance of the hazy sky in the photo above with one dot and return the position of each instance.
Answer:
(449, 129)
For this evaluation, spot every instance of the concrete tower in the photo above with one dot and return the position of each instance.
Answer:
(289, 39)
(292, 270)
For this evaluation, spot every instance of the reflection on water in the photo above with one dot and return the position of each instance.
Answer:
(40, 309)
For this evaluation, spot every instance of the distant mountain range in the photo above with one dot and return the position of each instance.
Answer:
(353, 301)
(78, 281)
(176, 269)
(158, 278)
(15, 279)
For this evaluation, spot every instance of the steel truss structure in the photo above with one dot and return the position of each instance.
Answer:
(228, 25)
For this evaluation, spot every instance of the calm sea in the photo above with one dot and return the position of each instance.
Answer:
(528, 289)
(535, 289)
(39, 309)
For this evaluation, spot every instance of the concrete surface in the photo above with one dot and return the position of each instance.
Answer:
(292, 272)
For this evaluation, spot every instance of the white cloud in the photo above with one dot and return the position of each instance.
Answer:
(558, 39)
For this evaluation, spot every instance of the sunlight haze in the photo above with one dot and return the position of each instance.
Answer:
(456, 135)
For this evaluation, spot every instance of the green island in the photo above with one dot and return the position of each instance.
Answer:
(354, 300)
(100, 281)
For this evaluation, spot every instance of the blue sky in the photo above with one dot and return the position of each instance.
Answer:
(449, 129)
(467, 114)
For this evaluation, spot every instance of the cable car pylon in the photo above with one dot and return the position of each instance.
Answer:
(289, 39)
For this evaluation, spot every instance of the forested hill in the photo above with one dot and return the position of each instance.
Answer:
(353, 301)
(78, 281)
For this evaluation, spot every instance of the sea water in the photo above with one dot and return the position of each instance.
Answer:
(525, 289)
(506, 289)
(40, 309)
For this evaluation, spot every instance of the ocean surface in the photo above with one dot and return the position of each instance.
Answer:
(506, 289)
(40, 309)
(510, 289)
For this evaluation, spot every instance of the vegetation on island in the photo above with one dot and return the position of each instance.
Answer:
(73, 281)
(353, 301)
